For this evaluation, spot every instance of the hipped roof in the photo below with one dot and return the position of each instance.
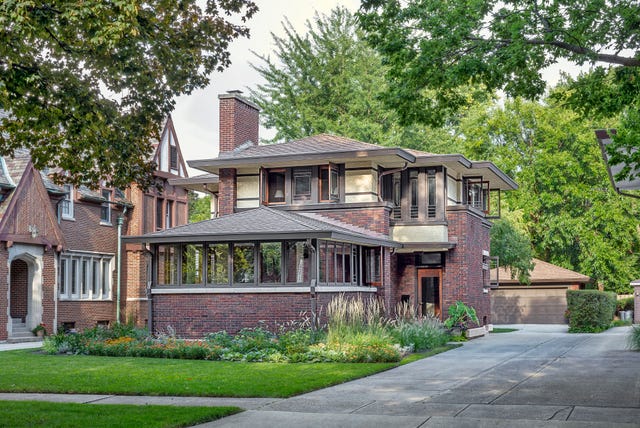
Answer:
(265, 224)
(544, 273)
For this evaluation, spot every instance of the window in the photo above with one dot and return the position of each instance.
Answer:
(270, 262)
(413, 194)
(243, 268)
(173, 157)
(159, 216)
(167, 265)
(329, 183)
(476, 193)
(302, 183)
(298, 262)
(372, 266)
(339, 263)
(105, 210)
(192, 263)
(275, 188)
(85, 276)
(168, 215)
(218, 264)
(67, 203)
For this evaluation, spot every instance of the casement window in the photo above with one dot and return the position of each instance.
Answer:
(271, 262)
(300, 185)
(159, 213)
(66, 206)
(218, 264)
(105, 208)
(476, 193)
(85, 276)
(192, 263)
(329, 183)
(338, 263)
(413, 195)
(243, 263)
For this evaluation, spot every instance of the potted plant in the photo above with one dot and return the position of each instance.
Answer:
(39, 330)
(459, 317)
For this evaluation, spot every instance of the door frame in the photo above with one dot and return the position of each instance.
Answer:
(429, 273)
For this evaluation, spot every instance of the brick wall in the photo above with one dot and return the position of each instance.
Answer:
(239, 121)
(193, 316)
(19, 289)
(375, 219)
(227, 191)
(463, 272)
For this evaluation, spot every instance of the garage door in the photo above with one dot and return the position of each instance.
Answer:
(530, 305)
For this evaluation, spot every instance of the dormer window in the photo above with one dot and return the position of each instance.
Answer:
(67, 203)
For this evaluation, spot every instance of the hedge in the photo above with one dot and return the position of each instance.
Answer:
(590, 311)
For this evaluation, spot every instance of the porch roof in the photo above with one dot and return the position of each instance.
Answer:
(264, 224)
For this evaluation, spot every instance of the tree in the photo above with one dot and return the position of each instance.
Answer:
(445, 45)
(330, 80)
(567, 207)
(199, 207)
(513, 248)
(86, 85)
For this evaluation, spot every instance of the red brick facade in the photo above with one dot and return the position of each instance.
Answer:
(192, 315)
(239, 121)
(227, 191)
(375, 219)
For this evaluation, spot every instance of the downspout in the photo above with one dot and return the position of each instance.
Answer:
(56, 296)
(119, 263)
(391, 171)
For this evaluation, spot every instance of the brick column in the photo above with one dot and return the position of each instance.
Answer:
(227, 191)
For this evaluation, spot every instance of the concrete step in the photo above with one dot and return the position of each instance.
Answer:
(20, 339)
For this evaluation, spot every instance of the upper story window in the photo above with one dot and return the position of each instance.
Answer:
(173, 158)
(413, 194)
(67, 203)
(105, 209)
(476, 193)
(299, 185)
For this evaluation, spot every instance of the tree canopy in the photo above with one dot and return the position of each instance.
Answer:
(564, 203)
(329, 80)
(504, 45)
(85, 86)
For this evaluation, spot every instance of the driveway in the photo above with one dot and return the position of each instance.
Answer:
(537, 376)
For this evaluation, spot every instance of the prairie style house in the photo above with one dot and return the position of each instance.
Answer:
(59, 259)
(301, 221)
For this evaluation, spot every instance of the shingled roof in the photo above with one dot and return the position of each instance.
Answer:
(261, 224)
(545, 273)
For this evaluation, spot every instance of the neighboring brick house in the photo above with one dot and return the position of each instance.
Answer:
(59, 244)
(348, 216)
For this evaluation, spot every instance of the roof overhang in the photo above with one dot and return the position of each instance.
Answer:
(200, 183)
(271, 236)
(429, 247)
(214, 165)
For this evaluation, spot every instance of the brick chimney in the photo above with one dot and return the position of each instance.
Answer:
(239, 124)
(239, 121)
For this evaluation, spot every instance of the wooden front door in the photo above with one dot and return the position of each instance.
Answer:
(430, 292)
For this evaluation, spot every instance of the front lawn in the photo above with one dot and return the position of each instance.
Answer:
(19, 414)
(34, 371)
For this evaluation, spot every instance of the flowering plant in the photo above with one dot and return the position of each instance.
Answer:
(40, 327)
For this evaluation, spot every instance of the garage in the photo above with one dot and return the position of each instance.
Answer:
(542, 302)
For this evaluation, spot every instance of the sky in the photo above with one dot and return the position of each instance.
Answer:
(196, 116)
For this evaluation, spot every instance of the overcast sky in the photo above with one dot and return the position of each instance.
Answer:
(196, 116)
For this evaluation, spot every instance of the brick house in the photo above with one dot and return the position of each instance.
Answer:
(343, 215)
(59, 261)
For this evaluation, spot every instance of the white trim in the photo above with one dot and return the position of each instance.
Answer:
(260, 290)
(137, 299)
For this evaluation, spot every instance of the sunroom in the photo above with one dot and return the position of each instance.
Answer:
(264, 250)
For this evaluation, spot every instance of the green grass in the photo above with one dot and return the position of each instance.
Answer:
(33, 371)
(18, 414)
(503, 330)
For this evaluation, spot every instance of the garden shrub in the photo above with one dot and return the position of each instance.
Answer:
(590, 311)
(460, 315)
(420, 333)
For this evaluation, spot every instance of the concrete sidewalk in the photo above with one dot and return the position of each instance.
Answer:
(539, 376)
